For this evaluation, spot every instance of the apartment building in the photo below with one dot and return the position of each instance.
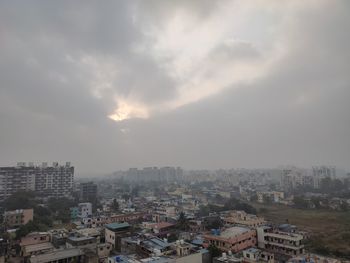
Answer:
(119, 218)
(18, 217)
(244, 219)
(49, 181)
(114, 232)
(35, 243)
(288, 243)
(54, 181)
(321, 172)
(85, 210)
(232, 239)
(270, 196)
(88, 192)
(14, 179)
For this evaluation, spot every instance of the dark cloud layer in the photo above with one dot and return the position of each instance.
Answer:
(64, 64)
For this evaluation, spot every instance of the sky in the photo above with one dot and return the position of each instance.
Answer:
(193, 83)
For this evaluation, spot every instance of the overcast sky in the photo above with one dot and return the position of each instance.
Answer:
(109, 85)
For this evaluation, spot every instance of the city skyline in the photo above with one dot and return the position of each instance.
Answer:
(211, 84)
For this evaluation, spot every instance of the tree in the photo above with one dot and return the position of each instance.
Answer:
(31, 226)
(115, 205)
(235, 204)
(219, 198)
(216, 223)
(60, 208)
(135, 191)
(214, 251)
(20, 200)
(263, 210)
(300, 202)
(268, 199)
(344, 206)
(126, 197)
(203, 210)
(182, 222)
(172, 237)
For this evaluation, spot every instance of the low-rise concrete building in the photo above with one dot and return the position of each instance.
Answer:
(114, 232)
(90, 232)
(103, 251)
(242, 218)
(280, 242)
(36, 249)
(85, 210)
(81, 242)
(62, 256)
(35, 243)
(253, 255)
(161, 229)
(35, 238)
(312, 258)
(232, 239)
(58, 237)
(153, 247)
(18, 217)
(271, 196)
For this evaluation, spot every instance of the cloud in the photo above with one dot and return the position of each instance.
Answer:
(191, 83)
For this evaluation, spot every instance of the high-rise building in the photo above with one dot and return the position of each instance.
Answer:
(322, 172)
(293, 177)
(88, 192)
(49, 181)
(14, 179)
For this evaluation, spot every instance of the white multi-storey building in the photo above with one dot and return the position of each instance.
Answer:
(49, 181)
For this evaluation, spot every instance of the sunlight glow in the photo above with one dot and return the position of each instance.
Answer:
(127, 110)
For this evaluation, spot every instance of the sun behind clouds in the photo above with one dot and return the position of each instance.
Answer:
(128, 110)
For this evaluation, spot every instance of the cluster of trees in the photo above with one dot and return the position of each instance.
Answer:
(235, 204)
(230, 204)
(316, 202)
(317, 245)
(334, 186)
(56, 209)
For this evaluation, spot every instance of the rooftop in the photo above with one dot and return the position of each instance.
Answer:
(73, 238)
(117, 226)
(155, 243)
(253, 250)
(234, 231)
(57, 255)
(162, 225)
(38, 247)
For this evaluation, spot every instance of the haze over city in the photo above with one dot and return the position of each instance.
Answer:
(175, 131)
(196, 84)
